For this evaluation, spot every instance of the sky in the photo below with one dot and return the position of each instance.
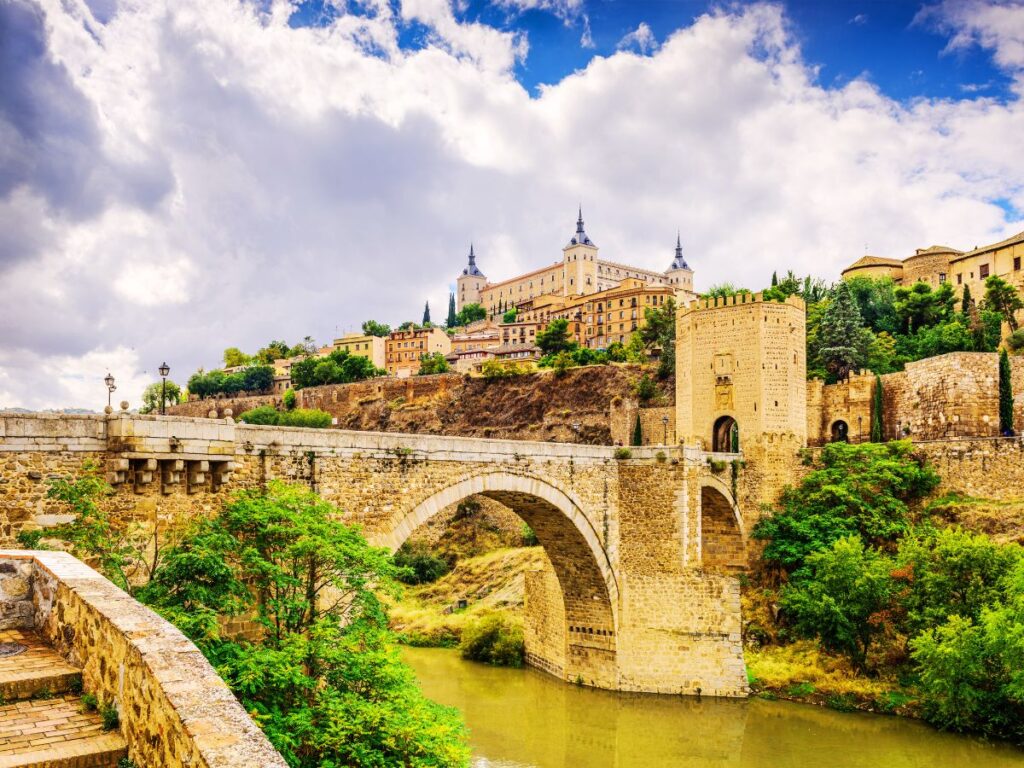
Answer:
(181, 176)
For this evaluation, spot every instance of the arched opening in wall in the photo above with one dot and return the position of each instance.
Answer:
(726, 435)
(571, 608)
(722, 544)
(840, 432)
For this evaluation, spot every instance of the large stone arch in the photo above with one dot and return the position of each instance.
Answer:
(722, 535)
(585, 574)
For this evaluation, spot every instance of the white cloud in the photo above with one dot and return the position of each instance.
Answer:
(641, 38)
(197, 174)
(998, 26)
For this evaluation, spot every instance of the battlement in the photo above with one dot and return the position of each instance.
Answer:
(739, 299)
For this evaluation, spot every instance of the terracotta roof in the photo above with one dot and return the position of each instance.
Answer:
(874, 261)
(933, 250)
(524, 276)
(1012, 240)
(506, 349)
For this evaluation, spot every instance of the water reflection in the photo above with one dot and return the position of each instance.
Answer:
(526, 719)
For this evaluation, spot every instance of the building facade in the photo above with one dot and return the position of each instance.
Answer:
(941, 264)
(580, 272)
(360, 345)
(405, 349)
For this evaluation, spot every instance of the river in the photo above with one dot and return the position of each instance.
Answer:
(522, 718)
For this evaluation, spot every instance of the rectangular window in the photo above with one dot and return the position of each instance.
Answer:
(983, 271)
(942, 277)
(1016, 263)
(960, 279)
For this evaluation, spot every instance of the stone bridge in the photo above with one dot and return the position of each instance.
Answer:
(644, 549)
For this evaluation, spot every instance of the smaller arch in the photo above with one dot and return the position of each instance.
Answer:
(725, 436)
(840, 431)
(723, 541)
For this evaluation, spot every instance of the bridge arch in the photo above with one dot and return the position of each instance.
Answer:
(722, 534)
(588, 583)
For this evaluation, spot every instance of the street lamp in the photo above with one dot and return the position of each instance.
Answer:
(109, 381)
(164, 370)
(664, 422)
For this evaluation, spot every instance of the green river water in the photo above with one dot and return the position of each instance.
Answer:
(522, 718)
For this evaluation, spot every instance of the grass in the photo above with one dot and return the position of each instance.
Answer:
(1002, 520)
(801, 671)
(427, 615)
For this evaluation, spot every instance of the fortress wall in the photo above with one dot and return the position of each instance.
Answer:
(990, 469)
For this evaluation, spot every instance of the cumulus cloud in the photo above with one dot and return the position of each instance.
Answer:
(642, 39)
(998, 26)
(179, 176)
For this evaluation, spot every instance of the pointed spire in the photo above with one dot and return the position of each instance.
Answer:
(679, 262)
(472, 269)
(580, 238)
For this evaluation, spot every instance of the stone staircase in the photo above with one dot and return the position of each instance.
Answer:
(43, 721)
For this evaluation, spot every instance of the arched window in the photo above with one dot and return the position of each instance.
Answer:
(840, 432)
(726, 435)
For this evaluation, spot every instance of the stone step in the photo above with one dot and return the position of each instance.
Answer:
(37, 670)
(56, 733)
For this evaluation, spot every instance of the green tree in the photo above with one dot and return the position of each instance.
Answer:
(951, 572)
(339, 367)
(659, 331)
(151, 396)
(882, 354)
(234, 357)
(877, 406)
(876, 301)
(373, 328)
(426, 315)
(275, 350)
(432, 363)
(841, 596)
(860, 490)
(843, 340)
(125, 553)
(1003, 298)
(417, 564)
(918, 306)
(1005, 395)
(966, 303)
(289, 399)
(555, 338)
(638, 434)
(450, 322)
(470, 314)
(510, 316)
(723, 291)
(325, 682)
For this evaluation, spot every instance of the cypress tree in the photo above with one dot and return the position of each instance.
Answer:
(775, 279)
(638, 435)
(1005, 395)
(877, 428)
(426, 313)
(965, 305)
(452, 317)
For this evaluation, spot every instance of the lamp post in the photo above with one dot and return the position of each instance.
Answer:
(664, 423)
(860, 429)
(109, 381)
(164, 371)
(576, 429)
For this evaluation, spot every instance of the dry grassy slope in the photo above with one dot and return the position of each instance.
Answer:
(1002, 520)
(539, 406)
(429, 614)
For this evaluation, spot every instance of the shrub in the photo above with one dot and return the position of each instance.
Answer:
(289, 399)
(300, 417)
(418, 565)
(254, 378)
(623, 453)
(528, 536)
(493, 639)
(433, 363)
(108, 714)
(645, 388)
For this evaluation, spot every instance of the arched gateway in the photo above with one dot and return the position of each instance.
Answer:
(585, 574)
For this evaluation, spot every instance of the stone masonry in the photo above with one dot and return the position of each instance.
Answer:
(643, 608)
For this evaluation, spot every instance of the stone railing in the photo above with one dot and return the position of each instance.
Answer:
(174, 709)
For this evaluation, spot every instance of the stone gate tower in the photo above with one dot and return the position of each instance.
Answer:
(741, 374)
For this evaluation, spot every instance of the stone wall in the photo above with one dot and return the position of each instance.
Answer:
(988, 468)
(544, 622)
(174, 709)
(848, 402)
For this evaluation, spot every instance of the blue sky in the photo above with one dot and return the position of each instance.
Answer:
(881, 40)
